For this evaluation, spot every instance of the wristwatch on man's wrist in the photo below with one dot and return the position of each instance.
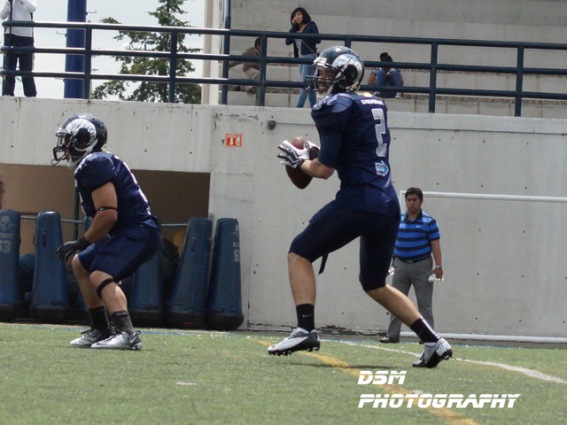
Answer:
(438, 267)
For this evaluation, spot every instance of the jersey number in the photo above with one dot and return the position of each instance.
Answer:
(5, 246)
(380, 128)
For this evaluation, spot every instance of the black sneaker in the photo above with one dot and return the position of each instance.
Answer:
(121, 341)
(433, 353)
(91, 336)
(299, 339)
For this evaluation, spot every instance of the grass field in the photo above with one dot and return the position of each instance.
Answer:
(194, 377)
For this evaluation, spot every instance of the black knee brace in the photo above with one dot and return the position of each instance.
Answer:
(102, 286)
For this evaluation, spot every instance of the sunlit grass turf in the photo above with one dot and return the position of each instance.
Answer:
(183, 377)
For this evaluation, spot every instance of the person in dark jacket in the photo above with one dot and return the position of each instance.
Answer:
(305, 48)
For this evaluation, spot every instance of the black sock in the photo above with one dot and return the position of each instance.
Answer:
(122, 321)
(424, 331)
(306, 316)
(98, 318)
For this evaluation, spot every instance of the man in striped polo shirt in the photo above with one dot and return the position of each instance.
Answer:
(418, 238)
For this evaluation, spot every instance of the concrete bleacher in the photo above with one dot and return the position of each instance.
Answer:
(275, 96)
(284, 100)
(448, 104)
(471, 105)
(478, 105)
(501, 20)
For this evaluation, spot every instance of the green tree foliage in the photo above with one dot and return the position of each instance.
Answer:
(148, 91)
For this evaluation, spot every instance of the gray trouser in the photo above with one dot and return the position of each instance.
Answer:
(416, 274)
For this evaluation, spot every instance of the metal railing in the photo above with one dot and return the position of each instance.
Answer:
(433, 66)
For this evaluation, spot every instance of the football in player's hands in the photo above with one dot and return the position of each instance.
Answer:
(296, 175)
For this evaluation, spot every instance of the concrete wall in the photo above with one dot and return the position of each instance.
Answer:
(38, 186)
(503, 258)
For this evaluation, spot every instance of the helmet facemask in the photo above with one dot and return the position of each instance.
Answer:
(346, 71)
(60, 150)
(322, 84)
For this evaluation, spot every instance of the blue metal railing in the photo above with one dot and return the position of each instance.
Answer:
(433, 66)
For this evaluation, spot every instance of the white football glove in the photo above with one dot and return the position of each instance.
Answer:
(312, 149)
(291, 156)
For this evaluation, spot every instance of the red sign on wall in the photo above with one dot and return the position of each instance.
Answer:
(233, 140)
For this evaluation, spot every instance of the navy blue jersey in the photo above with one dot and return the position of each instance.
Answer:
(355, 140)
(100, 168)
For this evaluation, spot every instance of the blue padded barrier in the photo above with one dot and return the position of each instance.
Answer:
(11, 299)
(146, 298)
(187, 305)
(50, 295)
(224, 305)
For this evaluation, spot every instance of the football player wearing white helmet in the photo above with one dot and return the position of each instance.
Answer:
(122, 235)
(79, 135)
(337, 69)
(355, 140)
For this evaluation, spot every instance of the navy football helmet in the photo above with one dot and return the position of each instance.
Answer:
(346, 67)
(78, 136)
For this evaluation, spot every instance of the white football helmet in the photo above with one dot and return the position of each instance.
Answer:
(78, 136)
(346, 66)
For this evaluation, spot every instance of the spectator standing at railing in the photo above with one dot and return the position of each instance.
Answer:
(250, 69)
(304, 48)
(386, 76)
(18, 10)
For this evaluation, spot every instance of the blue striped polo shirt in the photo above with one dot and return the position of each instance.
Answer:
(413, 240)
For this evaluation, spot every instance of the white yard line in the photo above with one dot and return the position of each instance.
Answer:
(527, 372)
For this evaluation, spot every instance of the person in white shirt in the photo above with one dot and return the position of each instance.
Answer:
(18, 10)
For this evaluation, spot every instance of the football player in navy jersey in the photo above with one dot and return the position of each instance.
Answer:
(355, 140)
(122, 235)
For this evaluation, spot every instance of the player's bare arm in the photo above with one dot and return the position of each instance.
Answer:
(315, 168)
(436, 251)
(106, 204)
